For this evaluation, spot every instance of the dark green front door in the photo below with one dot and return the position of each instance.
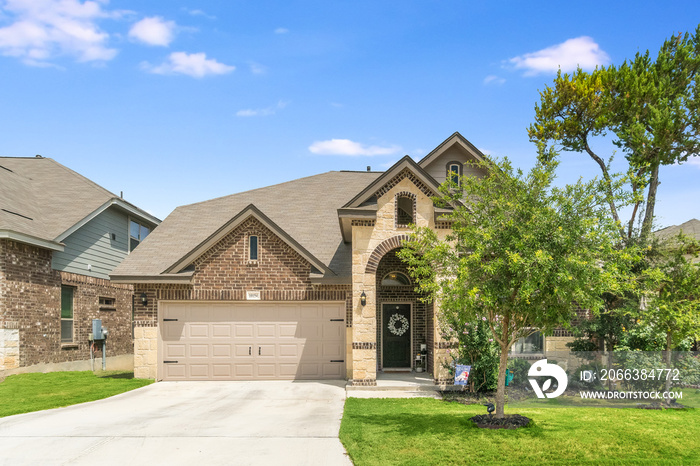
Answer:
(396, 335)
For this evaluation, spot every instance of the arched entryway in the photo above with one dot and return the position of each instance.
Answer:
(404, 322)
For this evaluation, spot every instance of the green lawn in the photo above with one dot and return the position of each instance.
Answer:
(427, 431)
(24, 393)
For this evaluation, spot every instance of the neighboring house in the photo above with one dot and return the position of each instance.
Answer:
(691, 228)
(298, 280)
(60, 237)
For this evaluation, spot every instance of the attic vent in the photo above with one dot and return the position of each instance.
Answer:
(5, 168)
(15, 213)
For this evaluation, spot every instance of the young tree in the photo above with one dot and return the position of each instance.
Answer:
(651, 108)
(673, 306)
(520, 253)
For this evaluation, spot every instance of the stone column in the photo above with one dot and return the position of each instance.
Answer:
(364, 333)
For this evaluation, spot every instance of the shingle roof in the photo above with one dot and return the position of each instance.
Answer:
(305, 208)
(690, 228)
(41, 198)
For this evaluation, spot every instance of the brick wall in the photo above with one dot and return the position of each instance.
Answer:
(224, 274)
(30, 301)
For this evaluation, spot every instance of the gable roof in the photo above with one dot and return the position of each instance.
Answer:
(42, 201)
(455, 138)
(304, 209)
(690, 228)
(406, 163)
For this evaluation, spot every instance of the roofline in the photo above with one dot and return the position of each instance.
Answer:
(247, 212)
(365, 193)
(115, 201)
(32, 240)
(173, 278)
(464, 140)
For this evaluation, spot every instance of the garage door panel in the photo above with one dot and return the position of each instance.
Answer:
(248, 341)
(199, 351)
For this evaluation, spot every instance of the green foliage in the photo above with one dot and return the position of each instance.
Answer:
(475, 348)
(519, 368)
(520, 252)
(651, 108)
(25, 393)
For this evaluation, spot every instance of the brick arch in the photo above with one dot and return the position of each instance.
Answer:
(384, 247)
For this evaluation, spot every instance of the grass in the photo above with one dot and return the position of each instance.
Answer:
(426, 431)
(25, 393)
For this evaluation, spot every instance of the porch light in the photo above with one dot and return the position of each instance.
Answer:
(363, 299)
(144, 299)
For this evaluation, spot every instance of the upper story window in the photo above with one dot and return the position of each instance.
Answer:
(404, 210)
(396, 279)
(454, 171)
(253, 248)
(137, 233)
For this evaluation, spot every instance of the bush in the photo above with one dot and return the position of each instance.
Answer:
(476, 348)
(519, 368)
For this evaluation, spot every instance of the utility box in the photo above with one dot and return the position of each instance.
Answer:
(98, 333)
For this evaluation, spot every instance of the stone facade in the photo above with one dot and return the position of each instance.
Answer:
(370, 244)
(30, 310)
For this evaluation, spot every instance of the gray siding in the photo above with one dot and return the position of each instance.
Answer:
(92, 245)
(438, 167)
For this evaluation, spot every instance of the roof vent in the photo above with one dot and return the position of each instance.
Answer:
(39, 156)
(369, 169)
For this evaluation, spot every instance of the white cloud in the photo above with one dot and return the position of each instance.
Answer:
(262, 111)
(257, 68)
(493, 79)
(581, 51)
(43, 29)
(694, 160)
(484, 151)
(191, 64)
(351, 148)
(153, 31)
(198, 12)
(281, 31)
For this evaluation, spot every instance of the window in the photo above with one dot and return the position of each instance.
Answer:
(108, 304)
(404, 210)
(137, 233)
(253, 248)
(395, 279)
(66, 314)
(454, 171)
(529, 345)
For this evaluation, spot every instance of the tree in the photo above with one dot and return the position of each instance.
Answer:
(520, 253)
(651, 108)
(673, 305)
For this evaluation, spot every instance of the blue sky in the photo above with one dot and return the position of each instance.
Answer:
(178, 102)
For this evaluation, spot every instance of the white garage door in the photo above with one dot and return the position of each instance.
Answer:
(251, 341)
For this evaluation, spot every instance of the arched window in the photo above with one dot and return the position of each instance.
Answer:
(404, 210)
(454, 171)
(396, 279)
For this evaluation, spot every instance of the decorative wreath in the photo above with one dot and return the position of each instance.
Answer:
(402, 326)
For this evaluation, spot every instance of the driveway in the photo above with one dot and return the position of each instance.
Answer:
(189, 423)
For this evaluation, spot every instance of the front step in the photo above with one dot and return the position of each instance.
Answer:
(352, 393)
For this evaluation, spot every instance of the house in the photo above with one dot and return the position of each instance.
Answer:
(298, 280)
(60, 237)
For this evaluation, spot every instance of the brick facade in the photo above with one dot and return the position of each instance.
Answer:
(30, 302)
(224, 273)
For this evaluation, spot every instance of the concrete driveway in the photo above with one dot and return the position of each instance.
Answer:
(189, 423)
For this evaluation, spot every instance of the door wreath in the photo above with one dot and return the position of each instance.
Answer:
(398, 324)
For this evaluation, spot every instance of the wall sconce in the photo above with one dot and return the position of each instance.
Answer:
(144, 299)
(363, 299)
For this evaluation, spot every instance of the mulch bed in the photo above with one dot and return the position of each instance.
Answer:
(510, 421)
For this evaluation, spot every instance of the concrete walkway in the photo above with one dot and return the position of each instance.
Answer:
(397, 385)
(186, 423)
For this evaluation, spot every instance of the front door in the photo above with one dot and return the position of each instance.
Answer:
(396, 336)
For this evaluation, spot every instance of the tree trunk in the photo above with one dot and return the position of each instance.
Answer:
(501, 390)
(647, 223)
(667, 360)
